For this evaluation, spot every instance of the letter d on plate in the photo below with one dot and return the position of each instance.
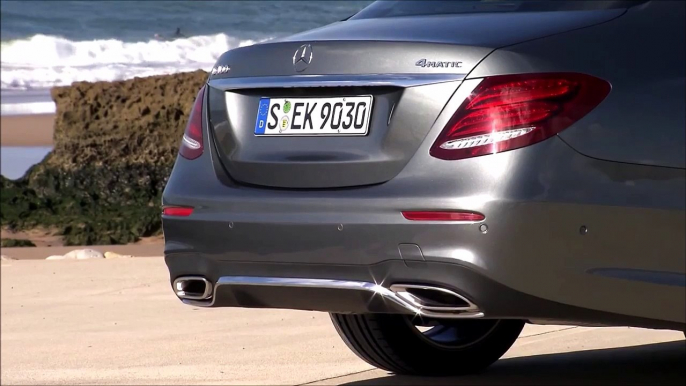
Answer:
(262, 111)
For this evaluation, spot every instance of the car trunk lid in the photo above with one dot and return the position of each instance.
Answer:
(410, 72)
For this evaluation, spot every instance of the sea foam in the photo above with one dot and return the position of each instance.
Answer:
(44, 61)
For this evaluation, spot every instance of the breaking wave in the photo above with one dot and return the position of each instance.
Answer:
(44, 61)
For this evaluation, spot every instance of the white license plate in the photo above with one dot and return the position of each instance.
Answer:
(314, 116)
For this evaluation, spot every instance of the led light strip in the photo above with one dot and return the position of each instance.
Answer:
(486, 139)
(190, 142)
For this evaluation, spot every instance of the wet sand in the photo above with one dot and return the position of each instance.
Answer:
(27, 130)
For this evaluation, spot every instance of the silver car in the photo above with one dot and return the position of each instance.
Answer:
(437, 174)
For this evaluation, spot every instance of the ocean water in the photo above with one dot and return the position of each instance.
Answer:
(51, 43)
(54, 43)
(23, 102)
(15, 160)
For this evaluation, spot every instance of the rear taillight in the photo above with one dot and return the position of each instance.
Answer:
(512, 111)
(191, 143)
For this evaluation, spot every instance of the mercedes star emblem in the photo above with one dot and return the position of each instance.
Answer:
(302, 57)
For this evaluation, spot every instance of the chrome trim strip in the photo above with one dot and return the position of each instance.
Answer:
(397, 80)
(388, 294)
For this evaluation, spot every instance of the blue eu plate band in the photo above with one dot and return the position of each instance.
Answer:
(262, 113)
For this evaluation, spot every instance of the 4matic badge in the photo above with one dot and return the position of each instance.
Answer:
(428, 63)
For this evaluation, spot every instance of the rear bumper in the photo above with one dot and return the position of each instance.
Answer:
(365, 289)
(532, 263)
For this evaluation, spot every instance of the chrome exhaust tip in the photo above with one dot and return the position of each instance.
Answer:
(192, 288)
(435, 300)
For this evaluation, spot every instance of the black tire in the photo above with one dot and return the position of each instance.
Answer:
(393, 343)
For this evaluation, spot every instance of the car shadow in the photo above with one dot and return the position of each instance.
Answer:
(660, 363)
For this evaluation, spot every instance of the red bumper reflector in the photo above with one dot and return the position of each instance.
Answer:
(444, 216)
(177, 211)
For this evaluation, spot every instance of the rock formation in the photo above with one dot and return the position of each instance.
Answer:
(114, 146)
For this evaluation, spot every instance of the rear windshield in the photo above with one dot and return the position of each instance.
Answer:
(380, 9)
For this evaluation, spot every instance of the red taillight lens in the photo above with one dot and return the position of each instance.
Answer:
(444, 216)
(191, 143)
(177, 211)
(512, 111)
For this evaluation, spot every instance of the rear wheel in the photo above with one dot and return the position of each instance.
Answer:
(413, 346)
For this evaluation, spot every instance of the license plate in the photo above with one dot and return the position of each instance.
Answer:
(314, 116)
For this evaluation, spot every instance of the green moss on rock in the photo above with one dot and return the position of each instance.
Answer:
(115, 145)
(10, 243)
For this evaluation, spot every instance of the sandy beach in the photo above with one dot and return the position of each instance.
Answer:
(118, 322)
(27, 130)
(49, 243)
(142, 249)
